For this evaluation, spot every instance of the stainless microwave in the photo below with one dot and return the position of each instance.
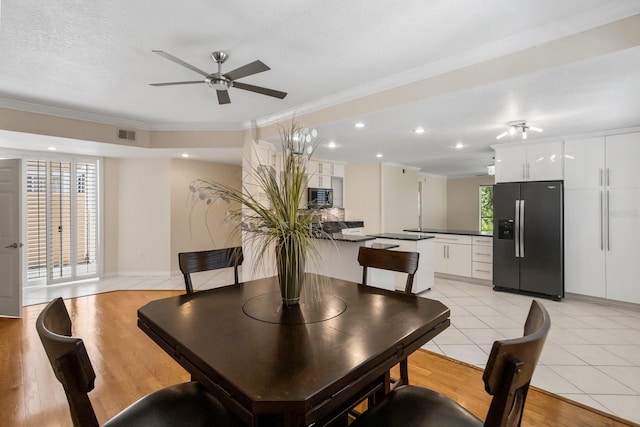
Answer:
(319, 198)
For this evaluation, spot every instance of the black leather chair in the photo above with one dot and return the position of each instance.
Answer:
(506, 377)
(193, 262)
(187, 404)
(403, 262)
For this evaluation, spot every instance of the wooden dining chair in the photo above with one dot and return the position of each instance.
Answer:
(193, 262)
(181, 404)
(402, 262)
(506, 377)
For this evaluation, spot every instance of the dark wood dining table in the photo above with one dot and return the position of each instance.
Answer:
(292, 366)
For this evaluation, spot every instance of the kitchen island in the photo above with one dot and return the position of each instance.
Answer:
(461, 254)
(421, 243)
(338, 257)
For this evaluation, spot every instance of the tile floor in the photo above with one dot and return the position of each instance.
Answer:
(592, 354)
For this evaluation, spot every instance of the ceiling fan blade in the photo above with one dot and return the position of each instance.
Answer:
(223, 97)
(180, 62)
(254, 67)
(176, 83)
(261, 90)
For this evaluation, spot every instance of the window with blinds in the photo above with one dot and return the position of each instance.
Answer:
(62, 220)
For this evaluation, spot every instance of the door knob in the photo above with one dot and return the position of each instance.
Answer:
(14, 246)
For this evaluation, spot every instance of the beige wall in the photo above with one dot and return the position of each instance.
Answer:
(463, 202)
(399, 198)
(200, 227)
(362, 195)
(434, 201)
(111, 207)
(144, 223)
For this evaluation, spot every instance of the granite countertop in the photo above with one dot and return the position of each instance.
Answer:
(448, 231)
(346, 238)
(384, 246)
(400, 236)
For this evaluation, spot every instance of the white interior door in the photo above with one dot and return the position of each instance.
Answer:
(10, 236)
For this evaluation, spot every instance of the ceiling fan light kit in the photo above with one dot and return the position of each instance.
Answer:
(518, 125)
(223, 82)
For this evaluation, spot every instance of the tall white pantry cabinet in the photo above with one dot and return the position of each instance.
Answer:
(602, 217)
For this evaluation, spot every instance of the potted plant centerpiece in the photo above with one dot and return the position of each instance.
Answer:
(270, 214)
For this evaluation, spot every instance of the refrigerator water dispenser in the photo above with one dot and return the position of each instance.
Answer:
(505, 229)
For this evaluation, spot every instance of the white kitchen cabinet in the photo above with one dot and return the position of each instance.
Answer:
(337, 170)
(482, 258)
(622, 154)
(452, 254)
(318, 181)
(584, 251)
(602, 221)
(540, 161)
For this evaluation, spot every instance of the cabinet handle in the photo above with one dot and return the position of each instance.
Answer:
(483, 271)
(600, 179)
(608, 177)
(476, 253)
(444, 251)
(601, 218)
(608, 223)
(447, 251)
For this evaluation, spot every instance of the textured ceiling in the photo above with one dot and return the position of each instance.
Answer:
(94, 59)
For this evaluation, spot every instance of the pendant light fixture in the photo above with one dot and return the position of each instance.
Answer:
(518, 125)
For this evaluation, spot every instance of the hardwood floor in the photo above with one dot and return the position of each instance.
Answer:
(129, 365)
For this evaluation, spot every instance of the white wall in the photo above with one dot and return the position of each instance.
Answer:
(144, 222)
(434, 201)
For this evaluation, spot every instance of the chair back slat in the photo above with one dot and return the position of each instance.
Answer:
(384, 259)
(510, 367)
(69, 360)
(194, 262)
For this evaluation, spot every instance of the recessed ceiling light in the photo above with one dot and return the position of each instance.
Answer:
(359, 125)
(51, 148)
(379, 155)
(185, 155)
(459, 145)
(418, 131)
(331, 144)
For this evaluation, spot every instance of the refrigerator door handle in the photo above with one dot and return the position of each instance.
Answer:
(521, 228)
(516, 231)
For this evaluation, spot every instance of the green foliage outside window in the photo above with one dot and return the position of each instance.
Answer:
(486, 208)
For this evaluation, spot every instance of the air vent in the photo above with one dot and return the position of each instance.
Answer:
(126, 134)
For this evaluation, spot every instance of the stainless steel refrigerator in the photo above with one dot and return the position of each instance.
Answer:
(528, 250)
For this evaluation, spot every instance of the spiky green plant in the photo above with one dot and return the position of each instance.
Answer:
(278, 221)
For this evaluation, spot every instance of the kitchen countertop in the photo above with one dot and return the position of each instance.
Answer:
(384, 246)
(400, 236)
(347, 238)
(448, 231)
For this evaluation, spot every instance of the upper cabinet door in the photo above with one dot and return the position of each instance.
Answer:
(623, 161)
(584, 163)
(529, 162)
(544, 161)
(510, 163)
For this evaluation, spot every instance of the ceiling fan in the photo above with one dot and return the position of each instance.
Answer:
(222, 82)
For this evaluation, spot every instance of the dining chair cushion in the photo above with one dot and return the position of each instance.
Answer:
(186, 404)
(412, 406)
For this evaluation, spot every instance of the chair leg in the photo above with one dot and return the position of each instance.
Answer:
(404, 372)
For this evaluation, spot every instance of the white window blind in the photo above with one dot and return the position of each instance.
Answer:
(36, 219)
(62, 220)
